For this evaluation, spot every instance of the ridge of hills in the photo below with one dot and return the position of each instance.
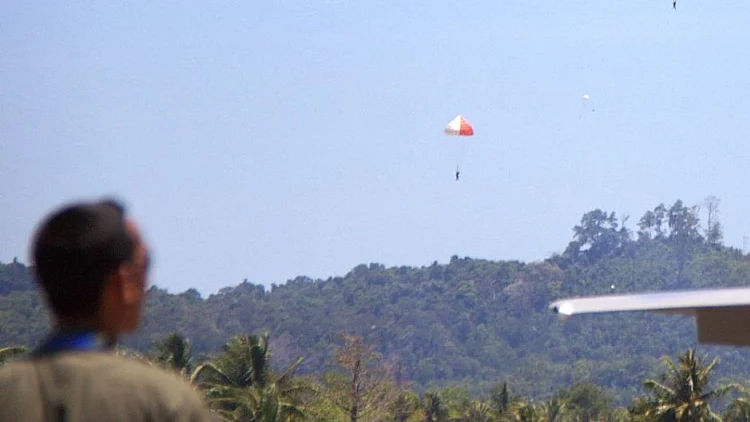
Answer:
(470, 322)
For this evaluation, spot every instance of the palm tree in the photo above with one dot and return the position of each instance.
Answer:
(434, 409)
(241, 386)
(523, 411)
(405, 404)
(739, 410)
(553, 410)
(682, 394)
(477, 411)
(586, 401)
(500, 398)
(174, 353)
(132, 354)
(10, 352)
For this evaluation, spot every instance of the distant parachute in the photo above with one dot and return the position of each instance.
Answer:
(459, 127)
(584, 107)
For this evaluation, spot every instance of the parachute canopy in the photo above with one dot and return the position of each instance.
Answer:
(459, 127)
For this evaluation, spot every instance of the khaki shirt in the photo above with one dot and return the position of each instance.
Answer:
(90, 386)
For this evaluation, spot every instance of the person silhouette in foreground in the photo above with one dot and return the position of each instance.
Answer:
(92, 265)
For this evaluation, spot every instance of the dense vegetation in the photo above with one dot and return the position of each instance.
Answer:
(240, 384)
(471, 323)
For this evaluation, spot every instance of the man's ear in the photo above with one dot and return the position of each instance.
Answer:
(128, 290)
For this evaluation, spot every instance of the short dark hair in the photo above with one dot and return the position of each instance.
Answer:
(75, 249)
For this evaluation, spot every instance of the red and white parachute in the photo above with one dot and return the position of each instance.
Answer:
(459, 127)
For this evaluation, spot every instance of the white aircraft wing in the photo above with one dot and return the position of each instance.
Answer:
(722, 315)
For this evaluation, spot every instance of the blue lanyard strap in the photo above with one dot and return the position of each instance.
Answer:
(72, 340)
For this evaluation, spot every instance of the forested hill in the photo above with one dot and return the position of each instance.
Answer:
(471, 321)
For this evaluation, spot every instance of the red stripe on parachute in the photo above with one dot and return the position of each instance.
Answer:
(459, 127)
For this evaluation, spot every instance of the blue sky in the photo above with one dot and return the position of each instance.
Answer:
(268, 140)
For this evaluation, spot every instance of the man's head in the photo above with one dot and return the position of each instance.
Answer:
(92, 265)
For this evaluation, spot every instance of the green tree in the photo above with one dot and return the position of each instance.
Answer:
(240, 385)
(434, 409)
(586, 401)
(598, 235)
(404, 406)
(11, 352)
(714, 231)
(651, 225)
(477, 411)
(553, 410)
(523, 411)
(738, 410)
(682, 394)
(500, 398)
(174, 352)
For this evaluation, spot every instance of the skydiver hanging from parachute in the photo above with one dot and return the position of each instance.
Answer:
(459, 127)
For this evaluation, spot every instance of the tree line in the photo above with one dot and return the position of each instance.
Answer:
(466, 323)
(242, 384)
